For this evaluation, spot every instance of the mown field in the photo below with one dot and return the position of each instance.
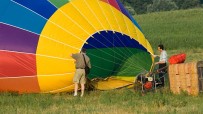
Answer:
(123, 101)
(176, 29)
(180, 31)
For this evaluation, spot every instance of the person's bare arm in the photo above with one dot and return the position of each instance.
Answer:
(89, 64)
(154, 55)
(74, 56)
(160, 62)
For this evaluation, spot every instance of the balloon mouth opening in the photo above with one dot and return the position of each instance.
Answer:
(110, 39)
(114, 54)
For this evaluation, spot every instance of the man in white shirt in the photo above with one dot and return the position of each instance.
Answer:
(162, 63)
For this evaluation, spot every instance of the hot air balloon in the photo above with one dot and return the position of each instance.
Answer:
(38, 36)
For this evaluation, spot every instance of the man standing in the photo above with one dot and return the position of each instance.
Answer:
(80, 76)
(162, 64)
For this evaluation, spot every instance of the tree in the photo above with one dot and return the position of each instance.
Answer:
(140, 6)
(161, 5)
(130, 9)
(128, 6)
(123, 1)
(185, 4)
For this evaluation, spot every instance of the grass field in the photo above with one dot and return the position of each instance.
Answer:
(180, 31)
(175, 29)
(123, 101)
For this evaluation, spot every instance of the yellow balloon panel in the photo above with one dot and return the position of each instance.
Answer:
(142, 39)
(47, 65)
(87, 15)
(149, 47)
(131, 30)
(55, 82)
(120, 20)
(111, 84)
(126, 78)
(52, 31)
(55, 49)
(110, 16)
(118, 17)
(96, 8)
(68, 88)
(64, 22)
(75, 15)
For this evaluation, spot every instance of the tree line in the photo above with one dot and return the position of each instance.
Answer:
(147, 6)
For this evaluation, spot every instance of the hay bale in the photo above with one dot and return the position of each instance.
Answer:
(185, 77)
(188, 80)
(176, 69)
(183, 85)
(194, 79)
(171, 69)
(187, 71)
(193, 68)
(177, 81)
(194, 92)
(181, 69)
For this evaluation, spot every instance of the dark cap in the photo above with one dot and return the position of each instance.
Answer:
(83, 50)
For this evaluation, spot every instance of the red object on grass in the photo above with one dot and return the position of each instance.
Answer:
(175, 59)
(148, 85)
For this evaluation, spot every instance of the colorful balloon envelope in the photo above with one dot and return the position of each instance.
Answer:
(37, 38)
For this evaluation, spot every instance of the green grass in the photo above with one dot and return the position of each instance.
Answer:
(123, 101)
(175, 29)
(192, 54)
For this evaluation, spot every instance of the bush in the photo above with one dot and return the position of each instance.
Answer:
(140, 6)
(161, 5)
(186, 4)
(131, 10)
